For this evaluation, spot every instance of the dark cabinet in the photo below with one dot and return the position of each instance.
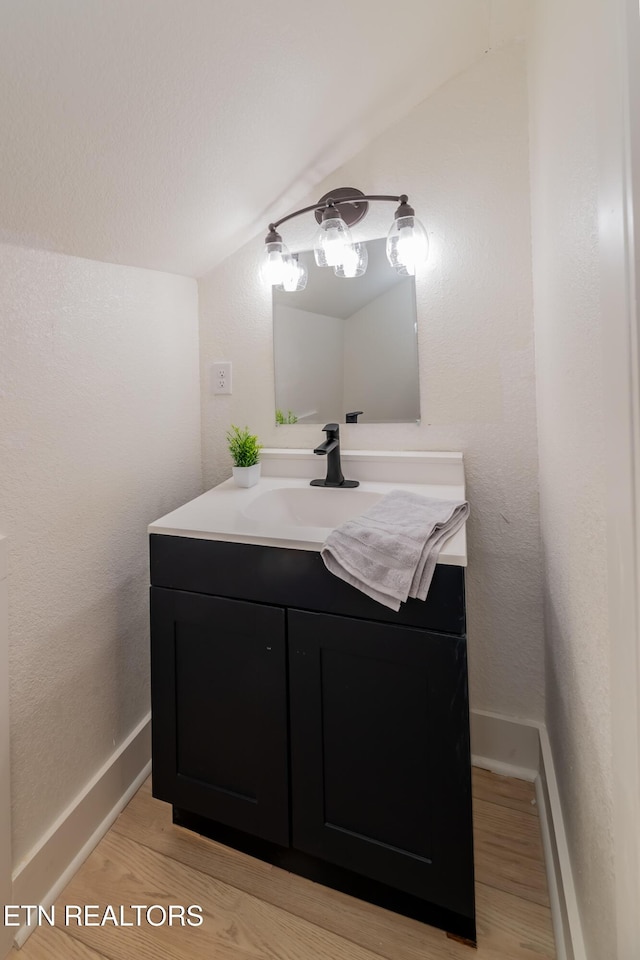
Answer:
(377, 787)
(219, 699)
(321, 731)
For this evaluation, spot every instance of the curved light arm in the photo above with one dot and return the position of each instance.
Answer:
(323, 206)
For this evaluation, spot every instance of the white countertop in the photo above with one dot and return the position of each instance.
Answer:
(228, 512)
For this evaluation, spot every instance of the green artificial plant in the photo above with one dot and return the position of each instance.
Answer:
(243, 446)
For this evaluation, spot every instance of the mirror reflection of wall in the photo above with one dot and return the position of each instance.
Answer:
(344, 345)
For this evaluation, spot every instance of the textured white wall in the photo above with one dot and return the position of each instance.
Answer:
(462, 156)
(99, 435)
(570, 329)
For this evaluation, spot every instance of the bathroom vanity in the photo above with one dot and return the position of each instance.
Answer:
(300, 721)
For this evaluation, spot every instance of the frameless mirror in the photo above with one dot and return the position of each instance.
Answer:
(347, 349)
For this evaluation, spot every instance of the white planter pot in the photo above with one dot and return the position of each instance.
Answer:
(246, 476)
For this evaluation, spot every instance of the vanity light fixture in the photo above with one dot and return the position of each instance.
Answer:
(407, 241)
(295, 274)
(333, 239)
(355, 261)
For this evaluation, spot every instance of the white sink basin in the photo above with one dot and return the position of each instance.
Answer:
(310, 506)
(282, 510)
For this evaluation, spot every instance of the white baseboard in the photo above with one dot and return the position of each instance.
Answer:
(521, 749)
(505, 746)
(562, 894)
(51, 864)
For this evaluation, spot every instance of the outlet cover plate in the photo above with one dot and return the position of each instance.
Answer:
(220, 377)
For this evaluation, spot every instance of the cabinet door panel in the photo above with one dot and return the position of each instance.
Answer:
(219, 703)
(380, 761)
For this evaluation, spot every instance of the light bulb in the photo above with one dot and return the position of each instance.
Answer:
(274, 263)
(355, 261)
(407, 245)
(331, 240)
(295, 274)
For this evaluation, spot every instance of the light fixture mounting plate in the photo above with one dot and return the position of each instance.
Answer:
(351, 213)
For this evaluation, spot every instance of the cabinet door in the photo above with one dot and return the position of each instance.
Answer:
(380, 760)
(219, 701)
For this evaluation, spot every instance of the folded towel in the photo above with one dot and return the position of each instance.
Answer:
(390, 552)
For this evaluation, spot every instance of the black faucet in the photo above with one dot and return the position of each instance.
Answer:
(331, 446)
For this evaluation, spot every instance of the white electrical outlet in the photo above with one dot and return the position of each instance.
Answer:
(220, 374)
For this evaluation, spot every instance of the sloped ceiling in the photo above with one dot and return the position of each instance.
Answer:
(165, 133)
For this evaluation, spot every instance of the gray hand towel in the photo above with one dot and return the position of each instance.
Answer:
(390, 552)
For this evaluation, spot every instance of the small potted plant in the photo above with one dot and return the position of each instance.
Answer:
(245, 451)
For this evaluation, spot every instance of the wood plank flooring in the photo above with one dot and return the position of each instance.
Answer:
(255, 911)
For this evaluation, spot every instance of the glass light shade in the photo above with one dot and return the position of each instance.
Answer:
(355, 261)
(407, 245)
(331, 240)
(295, 275)
(274, 263)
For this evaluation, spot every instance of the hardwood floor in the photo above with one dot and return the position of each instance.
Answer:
(254, 911)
